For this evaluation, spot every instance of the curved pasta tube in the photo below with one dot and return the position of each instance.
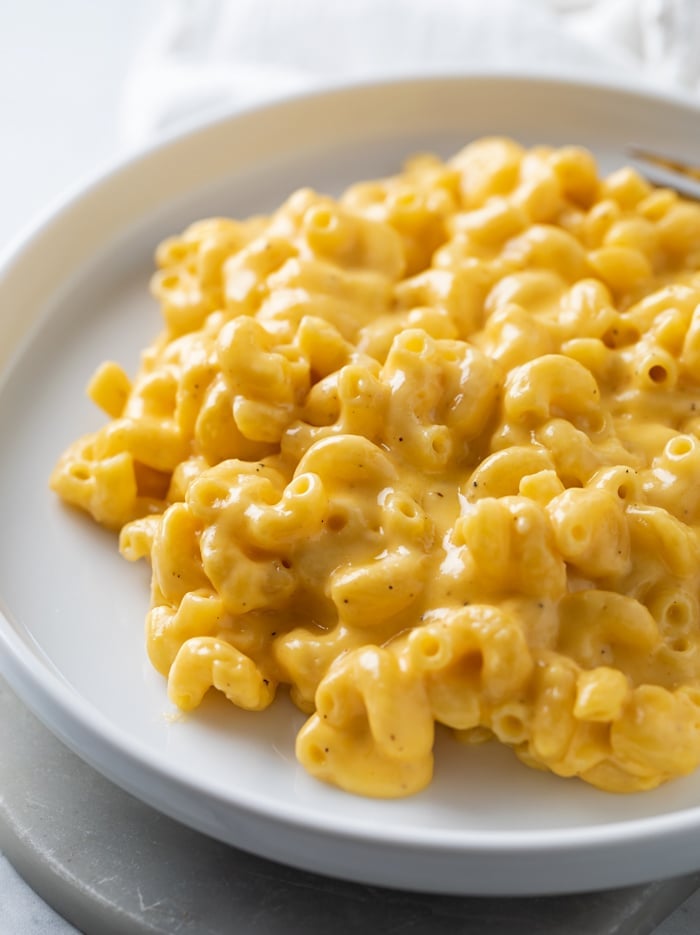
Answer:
(550, 386)
(471, 659)
(233, 483)
(670, 329)
(239, 551)
(553, 723)
(577, 172)
(575, 457)
(322, 344)
(253, 362)
(493, 224)
(657, 533)
(175, 555)
(354, 241)
(182, 477)
(348, 459)
(366, 595)
(541, 486)
(197, 372)
(216, 239)
(653, 367)
(202, 249)
(345, 289)
(626, 186)
(376, 337)
(597, 626)
(530, 290)
(601, 694)
(591, 532)
(622, 481)
(442, 394)
(200, 613)
(157, 444)
(216, 433)
(679, 229)
(539, 190)
(559, 740)
(404, 521)
(418, 212)
(136, 538)
(305, 657)
(500, 474)
(587, 309)
(620, 268)
(183, 301)
(657, 737)
(690, 354)
(244, 582)
(267, 378)
(205, 662)
(676, 297)
(284, 310)
(459, 292)
(300, 512)
(598, 220)
(674, 607)
(490, 166)
(105, 487)
(109, 388)
(472, 387)
(363, 399)
(544, 246)
(672, 479)
(153, 395)
(511, 547)
(512, 336)
(611, 775)
(367, 703)
(509, 722)
(245, 273)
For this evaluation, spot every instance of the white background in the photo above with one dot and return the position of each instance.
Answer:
(62, 70)
(62, 67)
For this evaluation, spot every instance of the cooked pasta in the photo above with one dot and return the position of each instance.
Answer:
(427, 454)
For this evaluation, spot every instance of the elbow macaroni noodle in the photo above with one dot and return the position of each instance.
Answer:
(427, 454)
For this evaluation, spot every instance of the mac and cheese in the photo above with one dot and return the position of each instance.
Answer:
(427, 454)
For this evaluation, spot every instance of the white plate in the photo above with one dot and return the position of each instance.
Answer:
(71, 640)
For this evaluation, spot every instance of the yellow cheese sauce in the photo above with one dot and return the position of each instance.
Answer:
(428, 453)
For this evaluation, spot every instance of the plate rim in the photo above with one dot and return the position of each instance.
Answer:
(52, 700)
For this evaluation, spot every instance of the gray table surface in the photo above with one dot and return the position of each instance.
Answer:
(110, 864)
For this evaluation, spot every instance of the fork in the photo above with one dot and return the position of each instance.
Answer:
(667, 171)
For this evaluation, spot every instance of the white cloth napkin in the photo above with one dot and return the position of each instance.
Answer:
(205, 56)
